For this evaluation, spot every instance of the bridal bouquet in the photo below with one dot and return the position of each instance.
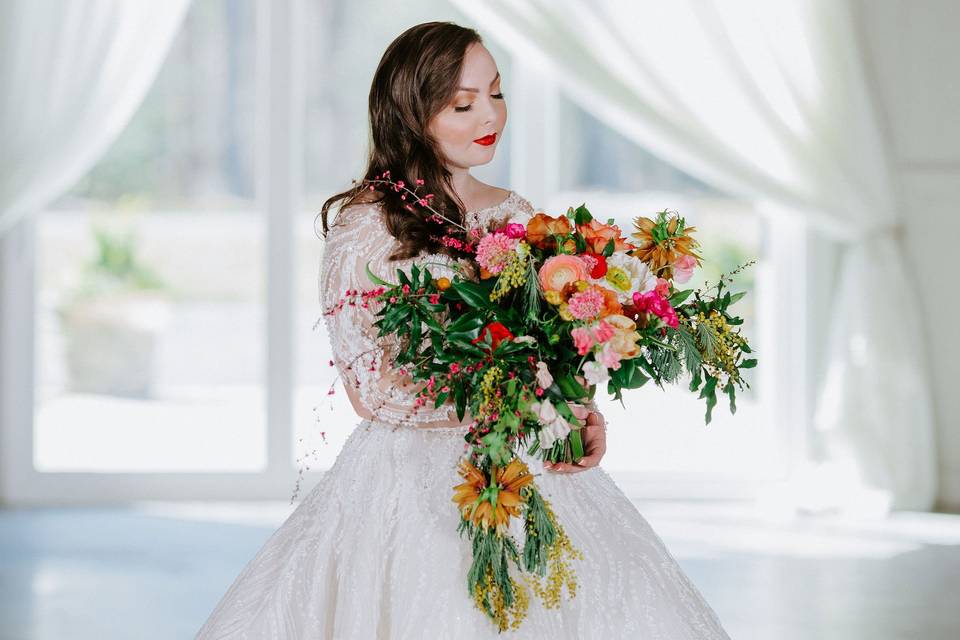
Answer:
(548, 311)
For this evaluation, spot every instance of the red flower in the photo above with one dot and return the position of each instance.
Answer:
(600, 269)
(498, 333)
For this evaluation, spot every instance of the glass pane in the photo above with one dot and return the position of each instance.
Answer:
(663, 429)
(151, 277)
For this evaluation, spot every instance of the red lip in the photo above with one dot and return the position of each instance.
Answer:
(487, 140)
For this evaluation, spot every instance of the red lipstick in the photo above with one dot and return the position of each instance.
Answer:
(487, 140)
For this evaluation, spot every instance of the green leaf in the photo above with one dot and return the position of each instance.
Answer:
(678, 297)
(737, 296)
(374, 279)
(441, 398)
(473, 294)
(748, 364)
(709, 392)
(460, 398)
(582, 215)
(497, 449)
(696, 380)
(732, 394)
(468, 323)
(608, 248)
(570, 388)
(707, 340)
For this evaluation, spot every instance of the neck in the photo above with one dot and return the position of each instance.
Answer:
(464, 184)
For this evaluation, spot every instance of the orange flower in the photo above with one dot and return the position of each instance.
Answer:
(611, 306)
(443, 284)
(542, 228)
(598, 235)
(488, 506)
(661, 242)
(558, 271)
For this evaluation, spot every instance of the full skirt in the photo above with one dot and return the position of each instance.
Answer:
(372, 552)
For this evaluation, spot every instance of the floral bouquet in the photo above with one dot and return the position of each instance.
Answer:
(560, 305)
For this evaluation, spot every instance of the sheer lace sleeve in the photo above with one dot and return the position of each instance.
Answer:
(359, 238)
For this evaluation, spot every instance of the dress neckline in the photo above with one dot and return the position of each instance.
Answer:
(494, 206)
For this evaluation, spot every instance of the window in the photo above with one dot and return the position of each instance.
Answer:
(655, 430)
(165, 355)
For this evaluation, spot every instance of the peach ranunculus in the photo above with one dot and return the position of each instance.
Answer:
(624, 340)
(558, 271)
(598, 235)
(542, 228)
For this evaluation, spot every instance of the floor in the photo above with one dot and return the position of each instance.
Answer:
(155, 571)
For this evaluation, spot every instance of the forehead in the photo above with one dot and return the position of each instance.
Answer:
(479, 67)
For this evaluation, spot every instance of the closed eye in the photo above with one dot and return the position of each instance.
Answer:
(496, 96)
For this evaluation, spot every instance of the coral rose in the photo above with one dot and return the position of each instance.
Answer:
(598, 235)
(542, 228)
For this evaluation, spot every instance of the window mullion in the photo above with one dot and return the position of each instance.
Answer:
(279, 171)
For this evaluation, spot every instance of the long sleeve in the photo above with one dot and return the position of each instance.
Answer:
(359, 238)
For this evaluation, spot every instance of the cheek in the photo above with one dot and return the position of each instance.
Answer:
(454, 129)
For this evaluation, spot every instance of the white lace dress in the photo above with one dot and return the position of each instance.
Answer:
(373, 551)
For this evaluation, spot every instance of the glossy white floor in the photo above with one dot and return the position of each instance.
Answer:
(156, 570)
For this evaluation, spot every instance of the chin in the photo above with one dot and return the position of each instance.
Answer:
(483, 162)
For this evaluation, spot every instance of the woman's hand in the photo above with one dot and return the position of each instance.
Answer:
(594, 435)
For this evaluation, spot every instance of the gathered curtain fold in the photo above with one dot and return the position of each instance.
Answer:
(72, 75)
(771, 101)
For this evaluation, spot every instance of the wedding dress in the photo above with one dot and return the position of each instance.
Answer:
(373, 551)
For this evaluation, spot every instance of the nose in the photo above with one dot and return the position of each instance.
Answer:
(491, 112)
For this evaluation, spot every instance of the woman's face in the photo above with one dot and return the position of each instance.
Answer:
(476, 111)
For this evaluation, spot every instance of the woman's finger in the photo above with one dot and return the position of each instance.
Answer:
(563, 467)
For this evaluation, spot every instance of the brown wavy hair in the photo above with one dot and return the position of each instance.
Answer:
(417, 77)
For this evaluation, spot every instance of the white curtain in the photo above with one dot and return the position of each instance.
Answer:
(768, 100)
(71, 75)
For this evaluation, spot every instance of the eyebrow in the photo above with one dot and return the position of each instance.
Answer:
(478, 90)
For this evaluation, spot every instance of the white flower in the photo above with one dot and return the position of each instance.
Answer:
(552, 426)
(626, 274)
(525, 339)
(594, 372)
(544, 379)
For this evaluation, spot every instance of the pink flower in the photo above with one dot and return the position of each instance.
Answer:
(662, 288)
(494, 250)
(590, 261)
(586, 305)
(515, 230)
(582, 340)
(434, 298)
(683, 268)
(603, 332)
(609, 357)
(653, 302)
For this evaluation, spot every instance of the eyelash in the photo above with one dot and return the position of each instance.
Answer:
(498, 96)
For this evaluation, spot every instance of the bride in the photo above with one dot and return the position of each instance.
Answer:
(372, 551)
